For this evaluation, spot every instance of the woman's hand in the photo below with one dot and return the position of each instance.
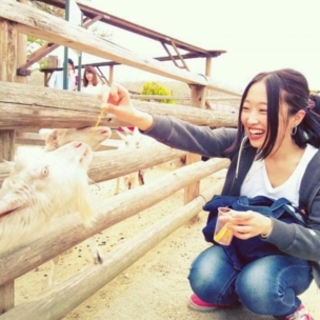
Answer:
(116, 100)
(248, 224)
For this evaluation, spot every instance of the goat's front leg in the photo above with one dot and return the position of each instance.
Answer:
(116, 191)
(141, 177)
(95, 251)
(51, 278)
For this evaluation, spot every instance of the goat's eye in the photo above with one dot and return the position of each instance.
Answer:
(44, 171)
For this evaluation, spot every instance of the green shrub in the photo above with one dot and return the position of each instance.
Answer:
(155, 89)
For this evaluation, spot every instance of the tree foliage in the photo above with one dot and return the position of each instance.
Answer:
(154, 88)
(58, 12)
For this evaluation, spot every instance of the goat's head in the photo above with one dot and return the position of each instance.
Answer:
(43, 184)
(56, 138)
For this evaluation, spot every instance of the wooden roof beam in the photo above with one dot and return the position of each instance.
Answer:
(129, 26)
(49, 47)
(170, 55)
(180, 56)
(113, 63)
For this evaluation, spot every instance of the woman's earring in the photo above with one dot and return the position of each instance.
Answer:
(294, 130)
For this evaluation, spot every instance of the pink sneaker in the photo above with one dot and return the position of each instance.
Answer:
(199, 305)
(300, 314)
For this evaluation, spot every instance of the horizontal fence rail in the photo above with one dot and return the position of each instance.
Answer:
(56, 302)
(67, 233)
(23, 108)
(110, 164)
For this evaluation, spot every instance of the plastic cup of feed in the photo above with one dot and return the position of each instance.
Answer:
(222, 234)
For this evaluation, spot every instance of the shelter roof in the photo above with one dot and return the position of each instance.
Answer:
(192, 51)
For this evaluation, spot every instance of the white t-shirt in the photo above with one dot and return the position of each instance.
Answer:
(92, 89)
(257, 182)
(56, 80)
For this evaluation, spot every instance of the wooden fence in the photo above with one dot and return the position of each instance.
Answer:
(24, 109)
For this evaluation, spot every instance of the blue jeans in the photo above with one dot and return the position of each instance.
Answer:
(267, 286)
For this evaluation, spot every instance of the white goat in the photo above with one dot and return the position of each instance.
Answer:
(130, 140)
(55, 138)
(133, 139)
(42, 185)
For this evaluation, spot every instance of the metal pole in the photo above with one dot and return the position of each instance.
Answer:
(80, 62)
(65, 62)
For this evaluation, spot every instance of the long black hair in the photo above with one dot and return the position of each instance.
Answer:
(290, 86)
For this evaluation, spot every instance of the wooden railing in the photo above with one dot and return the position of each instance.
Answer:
(25, 109)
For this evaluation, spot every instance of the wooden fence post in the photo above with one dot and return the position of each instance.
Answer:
(197, 100)
(8, 60)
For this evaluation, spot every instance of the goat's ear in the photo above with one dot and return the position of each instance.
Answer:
(45, 133)
(52, 142)
(122, 136)
(52, 136)
(136, 131)
(104, 131)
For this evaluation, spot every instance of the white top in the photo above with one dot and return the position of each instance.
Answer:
(92, 89)
(56, 81)
(257, 182)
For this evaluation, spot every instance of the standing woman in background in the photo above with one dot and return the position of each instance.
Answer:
(91, 83)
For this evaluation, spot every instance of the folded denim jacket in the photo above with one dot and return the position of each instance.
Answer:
(241, 251)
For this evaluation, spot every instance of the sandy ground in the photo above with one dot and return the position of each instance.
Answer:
(156, 286)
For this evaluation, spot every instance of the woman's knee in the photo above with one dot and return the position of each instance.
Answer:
(211, 275)
(271, 282)
(202, 271)
(254, 292)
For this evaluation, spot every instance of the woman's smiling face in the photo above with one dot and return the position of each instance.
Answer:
(254, 114)
(254, 117)
(89, 76)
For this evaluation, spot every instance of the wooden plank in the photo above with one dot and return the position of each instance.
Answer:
(6, 296)
(208, 74)
(113, 63)
(45, 26)
(21, 53)
(170, 55)
(8, 63)
(180, 56)
(8, 59)
(159, 97)
(68, 231)
(23, 108)
(90, 11)
(8, 39)
(110, 164)
(196, 100)
(29, 142)
(7, 144)
(49, 47)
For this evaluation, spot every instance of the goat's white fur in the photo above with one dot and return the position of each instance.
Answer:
(32, 193)
(55, 138)
(130, 141)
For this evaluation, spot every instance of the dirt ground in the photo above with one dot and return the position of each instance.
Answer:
(156, 286)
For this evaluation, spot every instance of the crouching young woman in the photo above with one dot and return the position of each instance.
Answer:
(274, 155)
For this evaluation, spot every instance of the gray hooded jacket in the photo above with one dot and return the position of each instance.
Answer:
(293, 239)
